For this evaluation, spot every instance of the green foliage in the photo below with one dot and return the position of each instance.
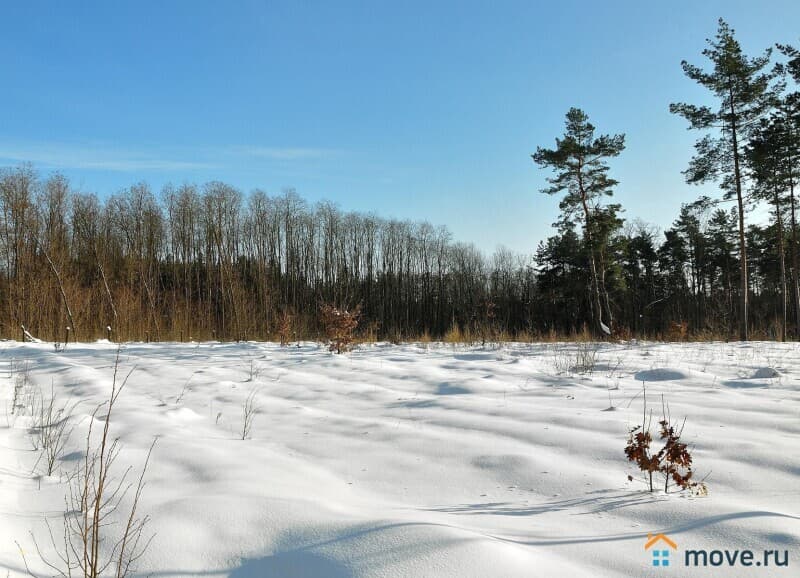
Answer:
(745, 91)
(579, 161)
(793, 64)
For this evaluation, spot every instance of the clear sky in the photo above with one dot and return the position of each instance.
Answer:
(419, 110)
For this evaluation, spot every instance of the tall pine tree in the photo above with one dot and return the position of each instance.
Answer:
(579, 161)
(746, 92)
(788, 118)
(768, 165)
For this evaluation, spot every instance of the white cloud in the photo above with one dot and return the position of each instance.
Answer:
(93, 157)
(100, 156)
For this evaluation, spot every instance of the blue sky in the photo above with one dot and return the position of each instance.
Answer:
(418, 110)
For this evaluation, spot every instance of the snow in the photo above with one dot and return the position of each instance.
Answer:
(419, 459)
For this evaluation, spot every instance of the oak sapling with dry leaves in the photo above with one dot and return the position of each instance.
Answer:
(340, 326)
(673, 461)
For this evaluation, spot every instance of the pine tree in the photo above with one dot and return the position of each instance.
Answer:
(793, 64)
(746, 92)
(688, 227)
(788, 118)
(561, 281)
(721, 237)
(579, 161)
(639, 263)
(767, 160)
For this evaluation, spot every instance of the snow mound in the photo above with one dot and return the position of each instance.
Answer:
(183, 414)
(661, 374)
(766, 373)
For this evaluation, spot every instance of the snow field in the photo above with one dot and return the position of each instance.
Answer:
(419, 459)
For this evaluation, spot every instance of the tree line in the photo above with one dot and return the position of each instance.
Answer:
(711, 273)
(207, 261)
(200, 262)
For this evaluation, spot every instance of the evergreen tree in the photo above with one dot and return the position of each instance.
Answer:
(639, 263)
(561, 281)
(788, 118)
(688, 227)
(793, 64)
(746, 92)
(721, 238)
(768, 166)
(579, 161)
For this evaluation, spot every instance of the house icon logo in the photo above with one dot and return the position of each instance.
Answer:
(658, 545)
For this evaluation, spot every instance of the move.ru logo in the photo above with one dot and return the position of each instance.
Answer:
(662, 551)
(657, 545)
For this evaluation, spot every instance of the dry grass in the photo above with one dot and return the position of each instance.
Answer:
(96, 514)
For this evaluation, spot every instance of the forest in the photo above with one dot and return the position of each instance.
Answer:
(212, 262)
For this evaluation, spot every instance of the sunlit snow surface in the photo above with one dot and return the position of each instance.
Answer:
(419, 460)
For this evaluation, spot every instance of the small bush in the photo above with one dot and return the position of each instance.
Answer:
(340, 326)
(454, 334)
(21, 382)
(50, 429)
(678, 331)
(101, 535)
(673, 461)
(561, 361)
(255, 371)
(249, 411)
(585, 358)
(486, 325)
(285, 328)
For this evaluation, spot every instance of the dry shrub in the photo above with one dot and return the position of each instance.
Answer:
(103, 532)
(678, 331)
(51, 429)
(249, 410)
(371, 332)
(638, 451)
(339, 326)
(673, 461)
(285, 328)
(523, 336)
(486, 328)
(395, 337)
(454, 334)
(585, 358)
(622, 333)
(503, 336)
(676, 461)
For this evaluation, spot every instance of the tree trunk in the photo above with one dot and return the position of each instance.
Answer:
(795, 272)
(598, 307)
(743, 327)
(779, 220)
